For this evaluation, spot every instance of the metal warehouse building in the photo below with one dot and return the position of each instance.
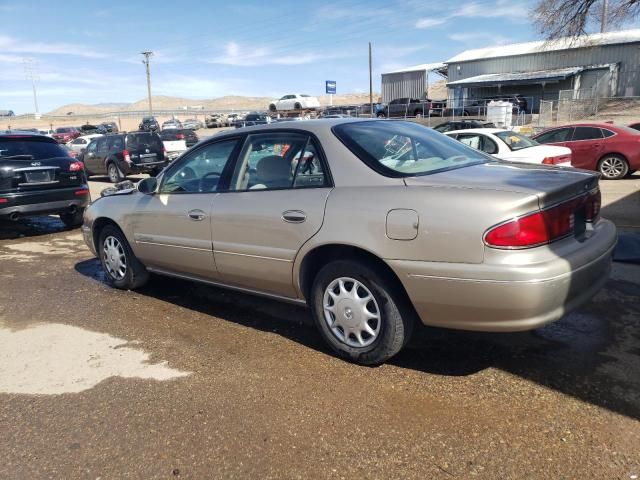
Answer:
(410, 82)
(604, 65)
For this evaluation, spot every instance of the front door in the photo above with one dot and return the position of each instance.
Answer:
(172, 229)
(275, 203)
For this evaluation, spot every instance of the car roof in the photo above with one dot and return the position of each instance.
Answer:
(480, 130)
(25, 134)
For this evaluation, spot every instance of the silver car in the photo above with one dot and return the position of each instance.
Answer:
(373, 224)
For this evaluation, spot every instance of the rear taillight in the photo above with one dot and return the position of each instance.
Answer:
(81, 192)
(557, 160)
(180, 136)
(125, 154)
(76, 167)
(592, 205)
(4, 200)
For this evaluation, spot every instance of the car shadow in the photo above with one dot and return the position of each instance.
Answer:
(584, 355)
(31, 227)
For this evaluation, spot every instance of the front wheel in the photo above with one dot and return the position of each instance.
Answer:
(297, 106)
(362, 316)
(122, 269)
(272, 108)
(114, 173)
(613, 167)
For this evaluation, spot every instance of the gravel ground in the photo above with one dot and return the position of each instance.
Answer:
(180, 380)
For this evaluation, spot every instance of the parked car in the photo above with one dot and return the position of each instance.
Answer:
(192, 124)
(611, 150)
(296, 101)
(215, 120)
(172, 123)
(382, 224)
(232, 118)
(110, 127)
(253, 118)
(461, 125)
(149, 124)
(125, 154)
(177, 141)
(512, 146)
(80, 143)
(38, 177)
(65, 134)
(92, 130)
(406, 107)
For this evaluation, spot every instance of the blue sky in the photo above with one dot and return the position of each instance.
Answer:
(88, 52)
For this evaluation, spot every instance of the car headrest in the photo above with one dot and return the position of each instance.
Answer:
(273, 167)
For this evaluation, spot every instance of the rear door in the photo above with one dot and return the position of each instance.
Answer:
(275, 203)
(586, 147)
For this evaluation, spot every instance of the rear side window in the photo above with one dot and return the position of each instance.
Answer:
(116, 143)
(34, 149)
(607, 133)
(587, 133)
(137, 141)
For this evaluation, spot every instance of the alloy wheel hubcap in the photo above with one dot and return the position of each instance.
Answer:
(612, 167)
(115, 260)
(351, 312)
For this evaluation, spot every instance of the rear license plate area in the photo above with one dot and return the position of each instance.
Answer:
(148, 157)
(40, 176)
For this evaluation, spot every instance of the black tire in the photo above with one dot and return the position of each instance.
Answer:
(396, 317)
(297, 106)
(114, 173)
(72, 220)
(135, 274)
(381, 115)
(613, 166)
(272, 108)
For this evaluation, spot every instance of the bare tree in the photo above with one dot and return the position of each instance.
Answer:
(570, 18)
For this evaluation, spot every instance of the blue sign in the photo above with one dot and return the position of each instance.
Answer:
(331, 86)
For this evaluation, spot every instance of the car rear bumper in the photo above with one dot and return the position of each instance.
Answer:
(136, 168)
(44, 202)
(506, 298)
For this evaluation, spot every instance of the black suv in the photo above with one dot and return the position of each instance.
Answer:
(149, 124)
(38, 177)
(124, 154)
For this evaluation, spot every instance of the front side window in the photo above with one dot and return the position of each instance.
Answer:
(555, 136)
(401, 149)
(515, 141)
(199, 171)
(278, 160)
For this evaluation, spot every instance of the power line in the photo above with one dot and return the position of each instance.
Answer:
(146, 63)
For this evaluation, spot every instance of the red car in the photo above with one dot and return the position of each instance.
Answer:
(66, 134)
(611, 150)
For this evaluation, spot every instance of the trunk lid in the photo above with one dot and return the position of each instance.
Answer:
(551, 185)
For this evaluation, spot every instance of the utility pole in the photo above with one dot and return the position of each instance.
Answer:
(146, 63)
(370, 83)
(31, 74)
(605, 16)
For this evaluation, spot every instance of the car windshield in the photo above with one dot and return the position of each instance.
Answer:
(405, 148)
(515, 141)
(31, 149)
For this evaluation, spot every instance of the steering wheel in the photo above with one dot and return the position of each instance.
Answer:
(207, 175)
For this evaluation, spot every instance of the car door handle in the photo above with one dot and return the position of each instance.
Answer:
(196, 215)
(294, 216)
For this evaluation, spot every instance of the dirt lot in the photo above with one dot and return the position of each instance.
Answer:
(179, 380)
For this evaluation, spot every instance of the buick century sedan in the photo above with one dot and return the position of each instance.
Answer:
(374, 224)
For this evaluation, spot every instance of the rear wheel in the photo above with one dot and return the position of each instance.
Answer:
(272, 108)
(297, 106)
(72, 220)
(613, 167)
(115, 175)
(122, 269)
(362, 316)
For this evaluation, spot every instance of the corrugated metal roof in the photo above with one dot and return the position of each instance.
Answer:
(519, 77)
(610, 38)
(428, 67)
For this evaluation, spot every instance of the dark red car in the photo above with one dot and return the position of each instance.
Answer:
(66, 134)
(609, 149)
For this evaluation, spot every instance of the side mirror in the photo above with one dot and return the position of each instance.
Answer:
(148, 186)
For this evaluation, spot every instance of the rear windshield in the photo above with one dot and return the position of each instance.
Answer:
(403, 149)
(33, 149)
(143, 140)
(515, 141)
